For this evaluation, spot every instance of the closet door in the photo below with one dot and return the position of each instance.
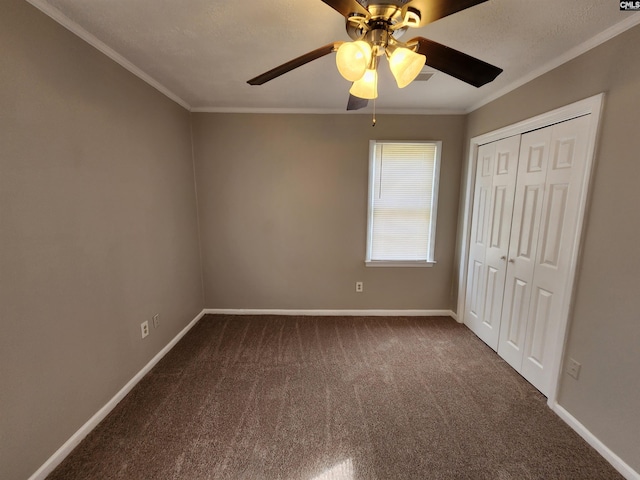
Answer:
(531, 179)
(550, 182)
(556, 236)
(492, 211)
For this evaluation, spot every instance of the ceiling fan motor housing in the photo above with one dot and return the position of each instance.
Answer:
(390, 18)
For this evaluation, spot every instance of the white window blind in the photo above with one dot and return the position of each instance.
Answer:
(403, 182)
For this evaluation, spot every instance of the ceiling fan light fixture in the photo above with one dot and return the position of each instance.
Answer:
(406, 65)
(352, 59)
(367, 86)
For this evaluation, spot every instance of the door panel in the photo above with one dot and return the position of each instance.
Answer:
(475, 291)
(540, 315)
(490, 230)
(553, 222)
(498, 214)
(565, 178)
(493, 284)
(476, 272)
(531, 205)
(483, 207)
(518, 301)
(523, 245)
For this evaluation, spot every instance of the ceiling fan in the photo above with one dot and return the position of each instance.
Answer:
(376, 26)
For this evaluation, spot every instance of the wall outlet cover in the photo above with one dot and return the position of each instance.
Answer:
(144, 328)
(573, 368)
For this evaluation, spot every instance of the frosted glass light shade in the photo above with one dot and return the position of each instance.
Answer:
(352, 59)
(367, 86)
(406, 65)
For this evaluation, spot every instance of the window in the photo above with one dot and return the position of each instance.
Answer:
(403, 194)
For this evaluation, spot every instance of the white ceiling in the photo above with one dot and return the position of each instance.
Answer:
(202, 52)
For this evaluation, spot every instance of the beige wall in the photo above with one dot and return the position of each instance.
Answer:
(283, 211)
(605, 326)
(97, 232)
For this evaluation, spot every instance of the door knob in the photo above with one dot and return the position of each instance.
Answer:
(512, 260)
(503, 257)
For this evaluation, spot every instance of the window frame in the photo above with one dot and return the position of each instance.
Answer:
(430, 261)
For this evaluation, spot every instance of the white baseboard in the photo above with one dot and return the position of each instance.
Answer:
(57, 458)
(332, 313)
(625, 470)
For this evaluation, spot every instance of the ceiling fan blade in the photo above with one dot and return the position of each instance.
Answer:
(432, 10)
(356, 103)
(457, 64)
(295, 63)
(347, 7)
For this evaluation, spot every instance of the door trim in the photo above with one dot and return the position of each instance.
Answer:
(589, 106)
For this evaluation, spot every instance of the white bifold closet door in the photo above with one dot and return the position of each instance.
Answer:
(492, 213)
(533, 277)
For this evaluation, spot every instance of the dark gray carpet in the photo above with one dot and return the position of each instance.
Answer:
(332, 398)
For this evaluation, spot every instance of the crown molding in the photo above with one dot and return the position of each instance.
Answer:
(76, 29)
(599, 39)
(330, 111)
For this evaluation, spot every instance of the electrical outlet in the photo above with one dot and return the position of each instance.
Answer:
(156, 320)
(359, 287)
(573, 368)
(144, 328)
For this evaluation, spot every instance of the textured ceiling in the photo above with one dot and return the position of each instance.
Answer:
(204, 51)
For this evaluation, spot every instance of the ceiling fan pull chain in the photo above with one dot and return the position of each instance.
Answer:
(373, 124)
(374, 104)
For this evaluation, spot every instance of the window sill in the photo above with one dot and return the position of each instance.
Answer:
(395, 263)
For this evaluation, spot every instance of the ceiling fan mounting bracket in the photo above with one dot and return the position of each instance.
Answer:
(389, 18)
